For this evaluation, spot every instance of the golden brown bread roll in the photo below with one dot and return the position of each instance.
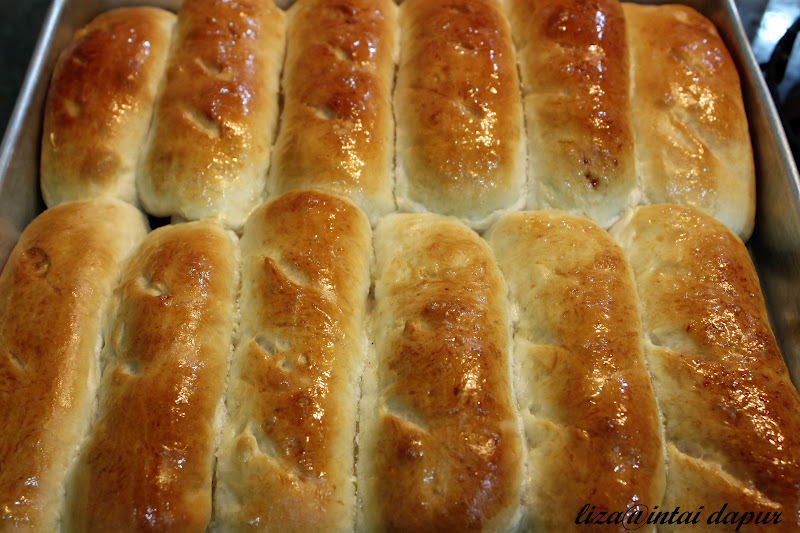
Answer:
(692, 141)
(337, 129)
(148, 463)
(460, 148)
(592, 427)
(214, 120)
(731, 414)
(575, 79)
(99, 105)
(439, 439)
(286, 455)
(54, 290)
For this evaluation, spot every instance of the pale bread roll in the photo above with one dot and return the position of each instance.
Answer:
(54, 291)
(100, 103)
(692, 140)
(148, 463)
(287, 451)
(591, 422)
(731, 414)
(573, 60)
(337, 128)
(460, 147)
(439, 439)
(214, 121)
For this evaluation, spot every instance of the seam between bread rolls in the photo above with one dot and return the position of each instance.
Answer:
(162, 82)
(513, 328)
(367, 362)
(269, 184)
(222, 407)
(615, 233)
(102, 346)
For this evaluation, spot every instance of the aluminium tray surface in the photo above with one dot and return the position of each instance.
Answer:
(775, 245)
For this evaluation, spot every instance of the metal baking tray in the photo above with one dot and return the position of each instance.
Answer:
(775, 245)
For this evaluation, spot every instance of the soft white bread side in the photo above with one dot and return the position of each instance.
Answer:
(148, 463)
(54, 291)
(100, 103)
(337, 128)
(286, 457)
(573, 60)
(692, 140)
(214, 121)
(592, 427)
(460, 146)
(439, 439)
(731, 414)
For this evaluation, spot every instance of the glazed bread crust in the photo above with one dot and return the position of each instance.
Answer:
(54, 290)
(730, 410)
(214, 121)
(148, 463)
(99, 105)
(692, 139)
(460, 148)
(592, 426)
(439, 444)
(337, 128)
(574, 66)
(286, 457)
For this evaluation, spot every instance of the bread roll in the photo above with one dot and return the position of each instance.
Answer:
(99, 105)
(214, 122)
(286, 457)
(692, 142)
(337, 129)
(592, 427)
(439, 441)
(460, 148)
(54, 290)
(575, 79)
(148, 463)
(731, 414)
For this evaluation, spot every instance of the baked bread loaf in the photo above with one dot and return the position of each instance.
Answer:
(54, 290)
(215, 117)
(692, 141)
(573, 59)
(460, 148)
(99, 105)
(731, 414)
(337, 129)
(149, 461)
(286, 458)
(439, 439)
(592, 426)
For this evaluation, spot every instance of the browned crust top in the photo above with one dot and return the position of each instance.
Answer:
(722, 383)
(52, 291)
(458, 105)
(584, 370)
(148, 463)
(574, 63)
(212, 127)
(692, 141)
(306, 263)
(448, 452)
(337, 125)
(103, 81)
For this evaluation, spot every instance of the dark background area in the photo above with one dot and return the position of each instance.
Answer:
(20, 23)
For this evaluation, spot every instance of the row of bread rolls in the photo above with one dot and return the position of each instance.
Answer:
(623, 105)
(315, 375)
